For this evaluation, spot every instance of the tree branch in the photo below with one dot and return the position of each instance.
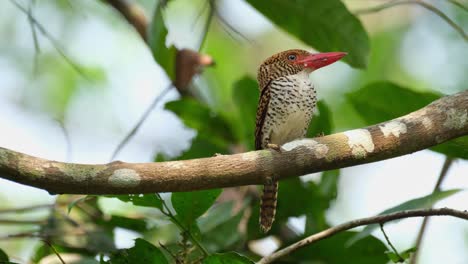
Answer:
(443, 173)
(428, 6)
(134, 15)
(440, 121)
(380, 219)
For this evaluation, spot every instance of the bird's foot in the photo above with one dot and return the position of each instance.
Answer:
(274, 147)
(217, 154)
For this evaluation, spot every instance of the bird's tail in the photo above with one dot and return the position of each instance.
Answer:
(268, 205)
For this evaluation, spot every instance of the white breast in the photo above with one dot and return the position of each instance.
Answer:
(292, 104)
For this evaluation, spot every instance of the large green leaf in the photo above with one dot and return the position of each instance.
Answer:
(324, 25)
(196, 115)
(3, 256)
(227, 258)
(245, 95)
(382, 101)
(191, 205)
(142, 252)
(164, 55)
(419, 203)
(322, 121)
(333, 251)
(138, 225)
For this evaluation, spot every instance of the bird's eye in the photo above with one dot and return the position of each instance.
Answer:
(291, 57)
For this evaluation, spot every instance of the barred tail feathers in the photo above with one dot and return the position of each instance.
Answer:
(268, 206)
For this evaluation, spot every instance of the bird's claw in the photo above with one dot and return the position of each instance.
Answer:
(321, 134)
(274, 147)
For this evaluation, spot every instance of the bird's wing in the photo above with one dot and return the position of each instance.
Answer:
(261, 115)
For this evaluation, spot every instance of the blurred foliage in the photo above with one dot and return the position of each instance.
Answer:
(180, 228)
(164, 56)
(324, 25)
(382, 101)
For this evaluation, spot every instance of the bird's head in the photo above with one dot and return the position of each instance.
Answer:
(292, 62)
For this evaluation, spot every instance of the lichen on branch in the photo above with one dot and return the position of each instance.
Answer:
(440, 121)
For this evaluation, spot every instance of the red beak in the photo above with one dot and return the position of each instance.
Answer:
(319, 60)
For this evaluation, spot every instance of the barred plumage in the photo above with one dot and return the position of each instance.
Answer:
(287, 101)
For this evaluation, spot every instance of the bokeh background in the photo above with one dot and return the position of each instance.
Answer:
(50, 109)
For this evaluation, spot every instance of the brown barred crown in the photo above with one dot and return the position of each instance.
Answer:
(279, 65)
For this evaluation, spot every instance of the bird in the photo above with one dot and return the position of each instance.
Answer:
(287, 102)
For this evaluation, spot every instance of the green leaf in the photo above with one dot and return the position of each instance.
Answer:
(295, 198)
(333, 251)
(227, 258)
(3, 256)
(419, 203)
(142, 252)
(245, 96)
(202, 147)
(383, 101)
(138, 225)
(322, 122)
(196, 115)
(191, 205)
(324, 25)
(401, 257)
(328, 185)
(217, 215)
(225, 234)
(164, 55)
(146, 200)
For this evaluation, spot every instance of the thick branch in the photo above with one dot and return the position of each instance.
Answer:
(442, 120)
(360, 222)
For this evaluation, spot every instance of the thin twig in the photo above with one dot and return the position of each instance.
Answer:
(400, 259)
(428, 6)
(206, 28)
(66, 136)
(460, 5)
(360, 222)
(52, 40)
(140, 122)
(228, 28)
(200, 13)
(55, 251)
(37, 48)
(447, 163)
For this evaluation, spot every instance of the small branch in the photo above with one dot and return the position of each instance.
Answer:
(206, 27)
(400, 259)
(55, 251)
(140, 122)
(428, 6)
(443, 173)
(459, 4)
(134, 15)
(380, 219)
(440, 121)
(52, 40)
